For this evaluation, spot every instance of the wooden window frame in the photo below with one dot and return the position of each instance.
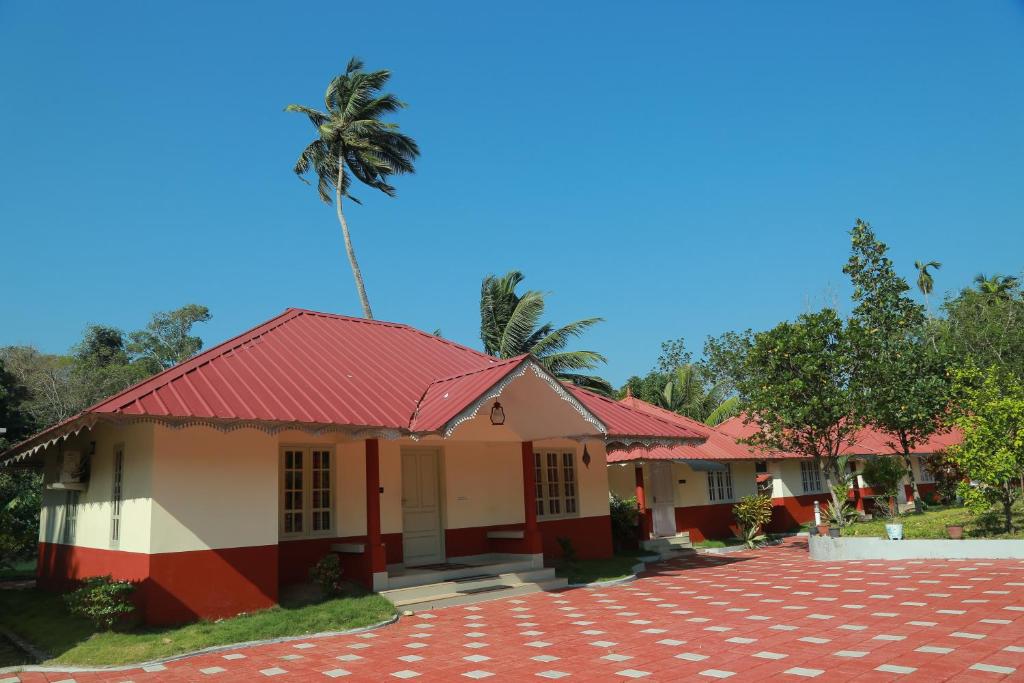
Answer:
(310, 513)
(117, 495)
(563, 492)
(809, 471)
(70, 530)
(722, 491)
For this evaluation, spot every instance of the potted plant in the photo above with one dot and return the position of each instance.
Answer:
(885, 475)
(955, 531)
(834, 532)
(823, 529)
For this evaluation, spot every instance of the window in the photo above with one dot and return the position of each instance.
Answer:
(116, 495)
(924, 467)
(720, 485)
(810, 477)
(307, 501)
(70, 516)
(555, 483)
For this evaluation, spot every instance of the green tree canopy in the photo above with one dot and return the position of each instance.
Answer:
(168, 339)
(986, 329)
(990, 411)
(900, 385)
(795, 380)
(510, 325)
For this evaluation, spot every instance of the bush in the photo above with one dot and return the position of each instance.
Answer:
(752, 513)
(624, 518)
(948, 476)
(101, 600)
(884, 475)
(327, 573)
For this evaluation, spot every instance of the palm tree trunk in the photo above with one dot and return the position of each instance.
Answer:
(349, 249)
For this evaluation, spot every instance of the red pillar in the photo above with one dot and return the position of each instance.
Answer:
(531, 534)
(376, 558)
(641, 502)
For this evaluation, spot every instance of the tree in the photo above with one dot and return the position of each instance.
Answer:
(510, 325)
(985, 329)
(1001, 286)
(19, 489)
(353, 140)
(167, 339)
(991, 415)
(900, 384)
(795, 383)
(693, 393)
(101, 367)
(925, 282)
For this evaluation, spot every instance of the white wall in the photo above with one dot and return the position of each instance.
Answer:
(93, 527)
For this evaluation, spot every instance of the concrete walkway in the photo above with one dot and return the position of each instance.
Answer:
(767, 615)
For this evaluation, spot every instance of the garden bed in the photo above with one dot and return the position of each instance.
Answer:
(593, 571)
(40, 618)
(932, 523)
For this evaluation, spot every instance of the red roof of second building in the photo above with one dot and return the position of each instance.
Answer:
(623, 421)
(867, 441)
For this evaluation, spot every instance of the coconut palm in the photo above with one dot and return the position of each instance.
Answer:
(352, 140)
(510, 325)
(1001, 286)
(925, 282)
(690, 394)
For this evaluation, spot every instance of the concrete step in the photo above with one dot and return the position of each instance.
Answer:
(668, 542)
(413, 577)
(478, 590)
(468, 584)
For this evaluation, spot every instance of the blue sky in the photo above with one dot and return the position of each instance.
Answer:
(680, 168)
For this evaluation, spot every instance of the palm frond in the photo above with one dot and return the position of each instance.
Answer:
(598, 385)
(731, 407)
(557, 340)
(572, 360)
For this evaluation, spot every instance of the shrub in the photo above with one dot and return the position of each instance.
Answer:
(752, 513)
(948, 476)
(569, 556)
(327, 573)
(101, 600)
(624, 518)
(885, 476)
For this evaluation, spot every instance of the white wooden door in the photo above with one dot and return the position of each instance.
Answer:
(421, 508)
(663, 502)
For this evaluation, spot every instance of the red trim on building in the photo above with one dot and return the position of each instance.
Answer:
(706, 521)
(173, 587)
(591, 537)
(792, 511)
(297, 557)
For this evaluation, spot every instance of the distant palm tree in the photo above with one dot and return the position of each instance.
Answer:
(351, 135)
(688, 394)
(925, 283)
(999, 285)
(510, 325)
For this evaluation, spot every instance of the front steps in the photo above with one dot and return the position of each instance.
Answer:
(475, 587)
(670, 546)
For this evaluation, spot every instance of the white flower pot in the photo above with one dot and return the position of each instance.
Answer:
(894, 531)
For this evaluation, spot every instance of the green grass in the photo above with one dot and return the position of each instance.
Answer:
(589, 571)
(933, 521)
(718, 543)
(25, 569)
(40, 618)
(10, 655)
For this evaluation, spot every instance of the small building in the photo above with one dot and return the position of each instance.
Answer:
(691, 488)
(220, 480)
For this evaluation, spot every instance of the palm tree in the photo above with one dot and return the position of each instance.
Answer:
(688, 393)
(352, 140)
(925, 282)
(510, 325)
(1001, 286)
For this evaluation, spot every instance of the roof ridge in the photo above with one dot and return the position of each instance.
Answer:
(181, 369)
(497, 364)
(388, 323)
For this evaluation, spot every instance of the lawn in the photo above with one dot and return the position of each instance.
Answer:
(718, 543)
(40, 618)
(933, 521)
(25, 569)
(589, 571)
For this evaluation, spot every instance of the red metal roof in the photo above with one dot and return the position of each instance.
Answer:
(717, 446)
(316, 368)
(446, 398)
(625, 422)
(867, 441)
(304, 366)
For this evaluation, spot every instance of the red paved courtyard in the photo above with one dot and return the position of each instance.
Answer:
(772, 614)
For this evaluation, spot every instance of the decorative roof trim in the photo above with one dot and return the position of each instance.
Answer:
(470, 411)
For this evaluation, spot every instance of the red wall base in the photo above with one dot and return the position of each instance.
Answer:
(173, 588)
(591, 537)
(296, 558)
(792, 511)
(707, 521)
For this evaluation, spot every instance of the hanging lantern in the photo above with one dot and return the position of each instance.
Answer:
(497, 414)
(586, 456)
